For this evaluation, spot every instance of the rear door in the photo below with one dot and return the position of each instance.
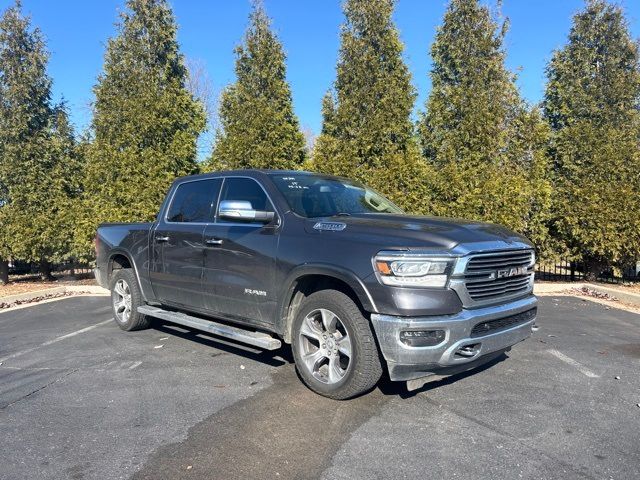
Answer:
(240, 258)
(177, 243)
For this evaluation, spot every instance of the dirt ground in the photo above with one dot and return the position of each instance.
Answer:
(32, 283)
(634, 287)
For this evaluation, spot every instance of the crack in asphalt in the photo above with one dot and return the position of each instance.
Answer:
(39, 389)
(28, 369)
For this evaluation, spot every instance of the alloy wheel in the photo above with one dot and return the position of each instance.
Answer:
(325, 346)
(122, 301)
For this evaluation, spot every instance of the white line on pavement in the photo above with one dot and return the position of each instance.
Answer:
(55, 340)
(574, 363)
(135, 365)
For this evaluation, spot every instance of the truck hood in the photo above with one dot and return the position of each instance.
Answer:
(413, 232)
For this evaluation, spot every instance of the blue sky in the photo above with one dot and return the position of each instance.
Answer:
(76, 32)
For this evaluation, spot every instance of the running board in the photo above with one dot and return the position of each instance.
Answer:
(256, 339)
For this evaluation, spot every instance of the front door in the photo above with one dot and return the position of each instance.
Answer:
(177, 244)
(240, 258)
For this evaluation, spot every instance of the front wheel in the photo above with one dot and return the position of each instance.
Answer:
(333, 346)
(126, 297)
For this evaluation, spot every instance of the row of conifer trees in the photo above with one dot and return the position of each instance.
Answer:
(566, 172)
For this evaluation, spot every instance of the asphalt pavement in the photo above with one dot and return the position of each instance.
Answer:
(80, 399)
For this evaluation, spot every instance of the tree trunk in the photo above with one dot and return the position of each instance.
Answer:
(4, 272)
(593, 268)
(45, 271)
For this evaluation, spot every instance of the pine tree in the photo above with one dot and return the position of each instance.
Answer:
(592, 103)
(258, 126)
(145, 122)
(485, 143)
(367, 131)
(36, 164)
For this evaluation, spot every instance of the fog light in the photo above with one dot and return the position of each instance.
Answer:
(422, 338)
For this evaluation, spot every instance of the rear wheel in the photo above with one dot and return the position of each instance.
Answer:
(125, 300)
(333, 346)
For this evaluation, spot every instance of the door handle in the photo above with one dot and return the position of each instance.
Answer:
(213, 241)
(162, 239)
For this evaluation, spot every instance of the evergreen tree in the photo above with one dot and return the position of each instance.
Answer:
(36, 164)
(367, 131)
(145, 122)
(258, 126)
(592, 103)
(485, 143)
(4, 202)
(4, 248)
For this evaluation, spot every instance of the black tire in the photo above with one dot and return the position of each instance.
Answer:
(363, 368)
(134, 320)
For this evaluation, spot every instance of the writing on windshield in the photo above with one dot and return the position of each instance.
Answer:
(323, 196)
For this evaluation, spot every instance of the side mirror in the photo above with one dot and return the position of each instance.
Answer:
(242, 211)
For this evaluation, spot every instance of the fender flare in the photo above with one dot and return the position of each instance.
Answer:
(328, 270)
(121, 251)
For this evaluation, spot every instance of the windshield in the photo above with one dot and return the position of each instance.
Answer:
(321, 196)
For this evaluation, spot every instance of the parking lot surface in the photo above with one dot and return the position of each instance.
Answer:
(80, 399)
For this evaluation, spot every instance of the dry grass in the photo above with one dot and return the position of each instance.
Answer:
(634, 287)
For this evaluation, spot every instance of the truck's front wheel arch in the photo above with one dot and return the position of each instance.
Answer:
(305, 285)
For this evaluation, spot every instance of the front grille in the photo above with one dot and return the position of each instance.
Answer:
(493, 326)
(501, 260)
(490, 276)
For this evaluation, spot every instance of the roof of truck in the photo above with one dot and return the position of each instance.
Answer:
(250, 172)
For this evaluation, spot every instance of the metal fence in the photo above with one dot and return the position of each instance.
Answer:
(571, 271)
(74, 268)
(70, 268)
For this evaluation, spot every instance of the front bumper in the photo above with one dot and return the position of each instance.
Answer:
(408, 363)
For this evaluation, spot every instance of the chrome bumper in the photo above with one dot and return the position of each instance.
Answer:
(407, 363)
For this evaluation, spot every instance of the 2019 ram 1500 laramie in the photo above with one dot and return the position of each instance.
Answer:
(329, 266)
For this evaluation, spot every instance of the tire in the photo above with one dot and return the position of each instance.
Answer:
(333, 346)
(126, 297)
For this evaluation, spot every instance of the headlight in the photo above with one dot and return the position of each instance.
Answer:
(413, 270)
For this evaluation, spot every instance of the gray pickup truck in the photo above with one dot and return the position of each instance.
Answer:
(329, 266)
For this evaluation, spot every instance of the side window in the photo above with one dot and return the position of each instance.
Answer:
(192, 201)
(248, 190)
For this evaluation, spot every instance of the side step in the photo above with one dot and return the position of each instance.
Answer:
(256, 339)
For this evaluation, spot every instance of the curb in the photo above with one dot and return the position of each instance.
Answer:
(93, 289)
(28, 296)
(626, 297)
(617, 293)
(541, 288)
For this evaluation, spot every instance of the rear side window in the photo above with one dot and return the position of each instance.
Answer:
(193, 201)
(248, 190)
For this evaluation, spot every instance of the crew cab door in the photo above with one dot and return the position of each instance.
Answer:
(177, 248)
(240, 257)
